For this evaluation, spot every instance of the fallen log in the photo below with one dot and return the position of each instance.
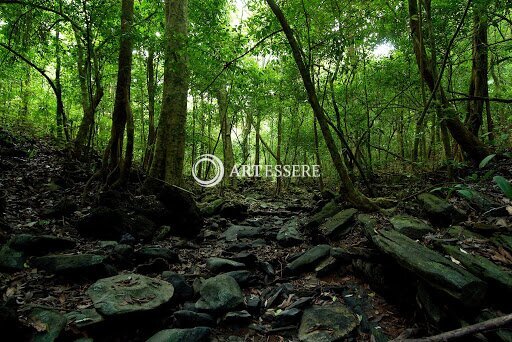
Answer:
(494, 323)
(436, 270)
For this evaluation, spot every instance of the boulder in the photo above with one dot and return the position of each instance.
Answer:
(191, 319)
(309, 259)
(236, 232)
(287, 317)
(12, 260)
(339, 224)
(148, 253)
(182, 290)
(102, 223)
(242, 277)
(327, 323)
(72, 265)
(84, 318)
(40, 244)
(51, 324)
(327, 211)
(234, 210)
(411, 226)
(198, 334)
(237, 318)
(289, 235)
(438, 210)
(129, 293)
(220, 294)
(212, 208)
(219, 265)
(186, 218)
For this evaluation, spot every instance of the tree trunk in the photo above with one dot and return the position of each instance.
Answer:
(317, 153)
(353, 194)
(257, 142)
(279, 180)
(467, 141)
(225, 129)
(169, 154)
(113, 162)
(478, 87)
(150, 70)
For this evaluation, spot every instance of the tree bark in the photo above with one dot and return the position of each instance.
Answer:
(169, 153)
(225, 128)
(151, 85)
(353, 194)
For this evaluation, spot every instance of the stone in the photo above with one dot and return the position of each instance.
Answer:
(254, 305)
(218, 265)
(327, 266)
(72, 265)
(289, 235)
(84, 318)
(102, 223)
(156, 265)
(287, 317)
(212, 208)
(191, 319)
(12, 260)
(233, 210)
(308, 260)
(182, 290)
(242, 277)
(410, 226)
(247, 258)
(236, 232)
(148, 253)
(327, 323)
(237, 318)
(339, 224)
(198, 334)
(327, 211)
(301, 303)
(438, 210)
(40, 244)
(108, 244)
(267, 268)
(220, 294)
(52, 321)
(129, 293)
(185, 217)
(141, 227)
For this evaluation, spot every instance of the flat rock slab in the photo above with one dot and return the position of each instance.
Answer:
(309, 259)
(327, 323)
(438, 210)
(52, 322)
(411, 226)
(41, 244)
(325, 213)
(84, 318)
(167, 254)
(11, 259)
(236, 232)
(220, 294)
(198, 334)
(129, 293)
(218, 265)
(289, 235)
(339, 224)
(79, 264)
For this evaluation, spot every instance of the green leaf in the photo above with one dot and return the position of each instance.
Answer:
(467, 194)
(504, 185)
(486, 160)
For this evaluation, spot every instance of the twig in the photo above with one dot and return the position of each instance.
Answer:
(494, 323)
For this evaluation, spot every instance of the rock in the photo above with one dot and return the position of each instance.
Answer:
(72, 265)
(182, 290)
(218, 265)
(327, 266)
(163, 233)
(9, 323)
(438, 210)
(199, 334)
(301, 303)
(141, 227)
(327, 211)
(480, 201)
(220, 294)
(109, 245)
(127, 239)
(129, 293)
(212, 208)
(84, 318)
(326, 323)
(40, 245)
(156, 265)
(233, 210)
(339, 224)
(267, 268)
(111, 199)
(411, 226)
(148, 253)
(186, 218)
(102, 223)
(122, 252)
(237, 318)
(235, 232)
(12, 260)
(289, 235)
(309, 259)
(254, 305)
(287, 317)
(241, 277)
(52, 321)
(64, 207)
(191, 319)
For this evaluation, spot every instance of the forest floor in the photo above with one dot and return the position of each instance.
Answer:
(301, 273)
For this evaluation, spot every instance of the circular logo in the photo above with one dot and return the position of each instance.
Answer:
(218, 170)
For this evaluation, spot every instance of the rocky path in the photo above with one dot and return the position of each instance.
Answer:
(136, 267)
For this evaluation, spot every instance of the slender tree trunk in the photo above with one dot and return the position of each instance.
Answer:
(151, 85)
(257, 142)
(225, 128)
(353, 194)
(169, 154)
(317, 153)
(467, 141)
(479, 76)
(113, 161)
(279, 180)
